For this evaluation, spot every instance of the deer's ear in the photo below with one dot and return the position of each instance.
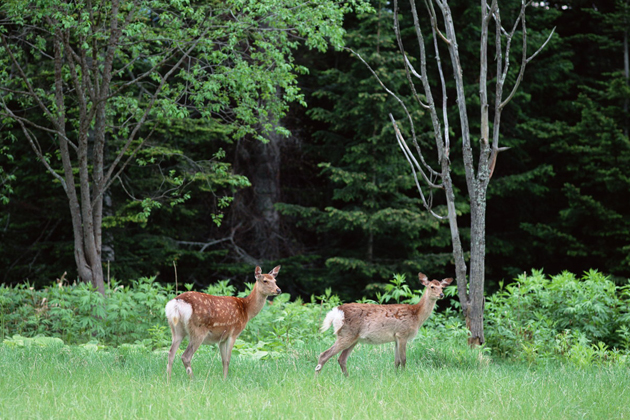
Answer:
(258, 271)
(275, 271)
(422, 278)
(446, 282)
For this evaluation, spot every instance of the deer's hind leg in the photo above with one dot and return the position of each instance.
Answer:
(342, 344)
(193, 344)
(178, 333)
(343, 358)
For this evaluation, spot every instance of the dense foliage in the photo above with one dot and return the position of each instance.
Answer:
(564, 316)
(370, 223)
(575, 320)
(350, 218)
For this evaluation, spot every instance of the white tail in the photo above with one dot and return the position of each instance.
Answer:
(334, 317)
(376, 324)
(208, 319)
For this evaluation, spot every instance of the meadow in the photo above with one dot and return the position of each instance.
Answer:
(556, 348)
(440, 381)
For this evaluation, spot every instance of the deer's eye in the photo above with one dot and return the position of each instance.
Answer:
(265, 281)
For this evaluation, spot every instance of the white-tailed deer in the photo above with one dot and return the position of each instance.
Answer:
(377, 324)
(208, 319)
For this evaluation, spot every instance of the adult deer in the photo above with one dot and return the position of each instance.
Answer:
(376, 324)
(208, 319)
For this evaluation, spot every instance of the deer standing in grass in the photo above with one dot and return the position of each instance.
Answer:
(208, 319)
(377, 324)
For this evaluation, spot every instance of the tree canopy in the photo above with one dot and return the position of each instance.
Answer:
(276, 150)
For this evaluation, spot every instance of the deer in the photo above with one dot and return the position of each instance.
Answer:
(208, 319)
(377, 324)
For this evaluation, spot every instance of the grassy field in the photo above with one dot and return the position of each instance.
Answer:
(455, 383)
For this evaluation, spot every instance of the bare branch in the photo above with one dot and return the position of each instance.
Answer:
(493, 159)
(406, 60)
(415, 73)
(445, 140)
(206, 245)
(524, 61)
(531, 57)
(453, 50)
(442, 142)
(432, 14)
(402, 104)
(35, 146)
(411, 160)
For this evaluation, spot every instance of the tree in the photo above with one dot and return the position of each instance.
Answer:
(581, 133)
(591, 188)
(106, 74)
(365, 217)
(479, 162)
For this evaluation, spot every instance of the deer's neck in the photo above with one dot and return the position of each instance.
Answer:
(254, 302)
(425, 307)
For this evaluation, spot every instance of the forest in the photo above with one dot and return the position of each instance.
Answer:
(226, 135)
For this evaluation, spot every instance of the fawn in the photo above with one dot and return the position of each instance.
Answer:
(376, 324)
(208, 319)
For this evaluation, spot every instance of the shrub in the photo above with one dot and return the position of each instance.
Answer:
(79, 314)
(540, 317)
(582, 321)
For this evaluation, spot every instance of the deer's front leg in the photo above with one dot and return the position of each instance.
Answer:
(225, 347)
(400, 351)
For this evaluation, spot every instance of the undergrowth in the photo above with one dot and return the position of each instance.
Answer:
(579, 321)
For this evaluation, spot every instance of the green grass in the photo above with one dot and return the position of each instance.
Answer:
(450, 382)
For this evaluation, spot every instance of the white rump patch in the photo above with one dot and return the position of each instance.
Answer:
(334, 317)
(177, 310)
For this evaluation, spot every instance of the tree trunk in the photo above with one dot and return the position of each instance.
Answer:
(86, 255)
(254, 211)
(474, 312)
(87, 244)
(470, 289)
(266, 183)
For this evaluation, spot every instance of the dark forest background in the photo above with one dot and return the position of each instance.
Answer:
(334, 202)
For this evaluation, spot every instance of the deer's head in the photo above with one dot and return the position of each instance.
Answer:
(267, 282)
(435, 287)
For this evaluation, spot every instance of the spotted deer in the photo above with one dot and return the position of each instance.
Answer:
(208, 319)
(377, 324)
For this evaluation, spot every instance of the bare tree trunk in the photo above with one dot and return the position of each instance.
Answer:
(474, 312)
(470, 282)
